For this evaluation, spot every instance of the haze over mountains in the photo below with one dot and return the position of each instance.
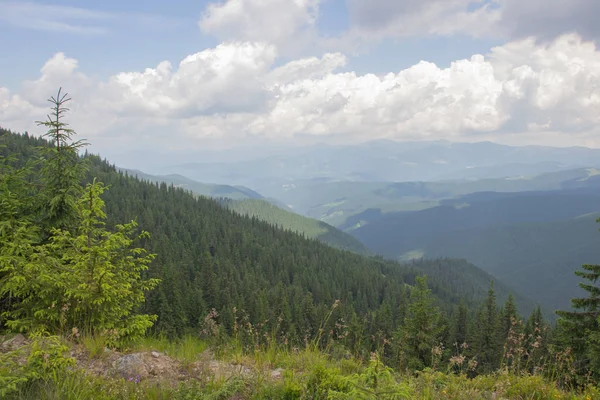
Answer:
(384, 160)
(524, 214)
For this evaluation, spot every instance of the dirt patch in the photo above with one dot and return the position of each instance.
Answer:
(151, 366)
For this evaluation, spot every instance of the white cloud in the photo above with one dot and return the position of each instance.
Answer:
(288, 24)
(15, 112)
(521, 92)
(500, 19)
(545, 19)
(308, 68)
(383, 18)
(226, 79)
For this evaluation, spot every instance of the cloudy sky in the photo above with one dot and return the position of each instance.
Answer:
(203, 74)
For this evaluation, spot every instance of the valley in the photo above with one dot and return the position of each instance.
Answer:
(528, 225)
(300, 200)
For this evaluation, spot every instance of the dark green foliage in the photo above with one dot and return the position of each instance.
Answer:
(209, 257)
(487, 341)
(62, 169)
(528, 241)
(421, 330)
(580, 329)
(288, 220)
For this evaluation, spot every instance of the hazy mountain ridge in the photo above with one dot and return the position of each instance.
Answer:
(386, 161)
(531, 240)
(204, 189)
(248, 202)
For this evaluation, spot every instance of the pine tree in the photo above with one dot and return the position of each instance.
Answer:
(460, 325)
(421, 330)
(509, 317)
(62, 170)
(487, 341)
(89, 281)
(18, 235)
(580, 330)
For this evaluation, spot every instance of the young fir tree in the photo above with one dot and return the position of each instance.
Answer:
(82, 277)
(89, 281)
(17, 234)
(580, 329)
(62, 170)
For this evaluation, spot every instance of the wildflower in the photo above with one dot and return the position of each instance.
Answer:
(472, 364)
(457, 360)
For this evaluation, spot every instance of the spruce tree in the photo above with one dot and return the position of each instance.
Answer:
(422, 329)
(62, 169)
(487, 340)
(580, 329)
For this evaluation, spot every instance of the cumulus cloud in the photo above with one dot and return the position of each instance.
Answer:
(226, 79)
(523, 91)
(288, 24)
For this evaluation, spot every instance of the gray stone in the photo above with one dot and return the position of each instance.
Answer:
(155, 354)
(221, 370)
(277, 373)
(14, 343)
(131, 366)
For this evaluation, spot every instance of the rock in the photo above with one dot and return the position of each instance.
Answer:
(221, 370)
(132, 367)
(14, 343)
(155, 354)
(277, 373)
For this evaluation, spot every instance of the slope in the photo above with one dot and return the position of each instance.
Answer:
(247, 202)
(288, 220)
(533, 240)
(210, 258)
(203, 189)
(337, 202)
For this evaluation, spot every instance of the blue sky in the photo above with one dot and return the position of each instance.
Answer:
(225, 73)
(135, 37)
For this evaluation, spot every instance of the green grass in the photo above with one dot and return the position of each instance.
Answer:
(309, 374)
(187, 350)
(95, 345)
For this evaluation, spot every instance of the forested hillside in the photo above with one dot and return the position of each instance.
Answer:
(347, 204)
(288, 220)
(247, 202)
(204, 189)
(210, 257)
(529, 240)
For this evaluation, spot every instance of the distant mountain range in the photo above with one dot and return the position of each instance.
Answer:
(523, 214)
(531, 240)
(384, 161)
(204, 189)
(248, 202)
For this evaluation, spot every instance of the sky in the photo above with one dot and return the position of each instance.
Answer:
(161, 76)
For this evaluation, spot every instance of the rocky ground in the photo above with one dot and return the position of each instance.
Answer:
(152, 366)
